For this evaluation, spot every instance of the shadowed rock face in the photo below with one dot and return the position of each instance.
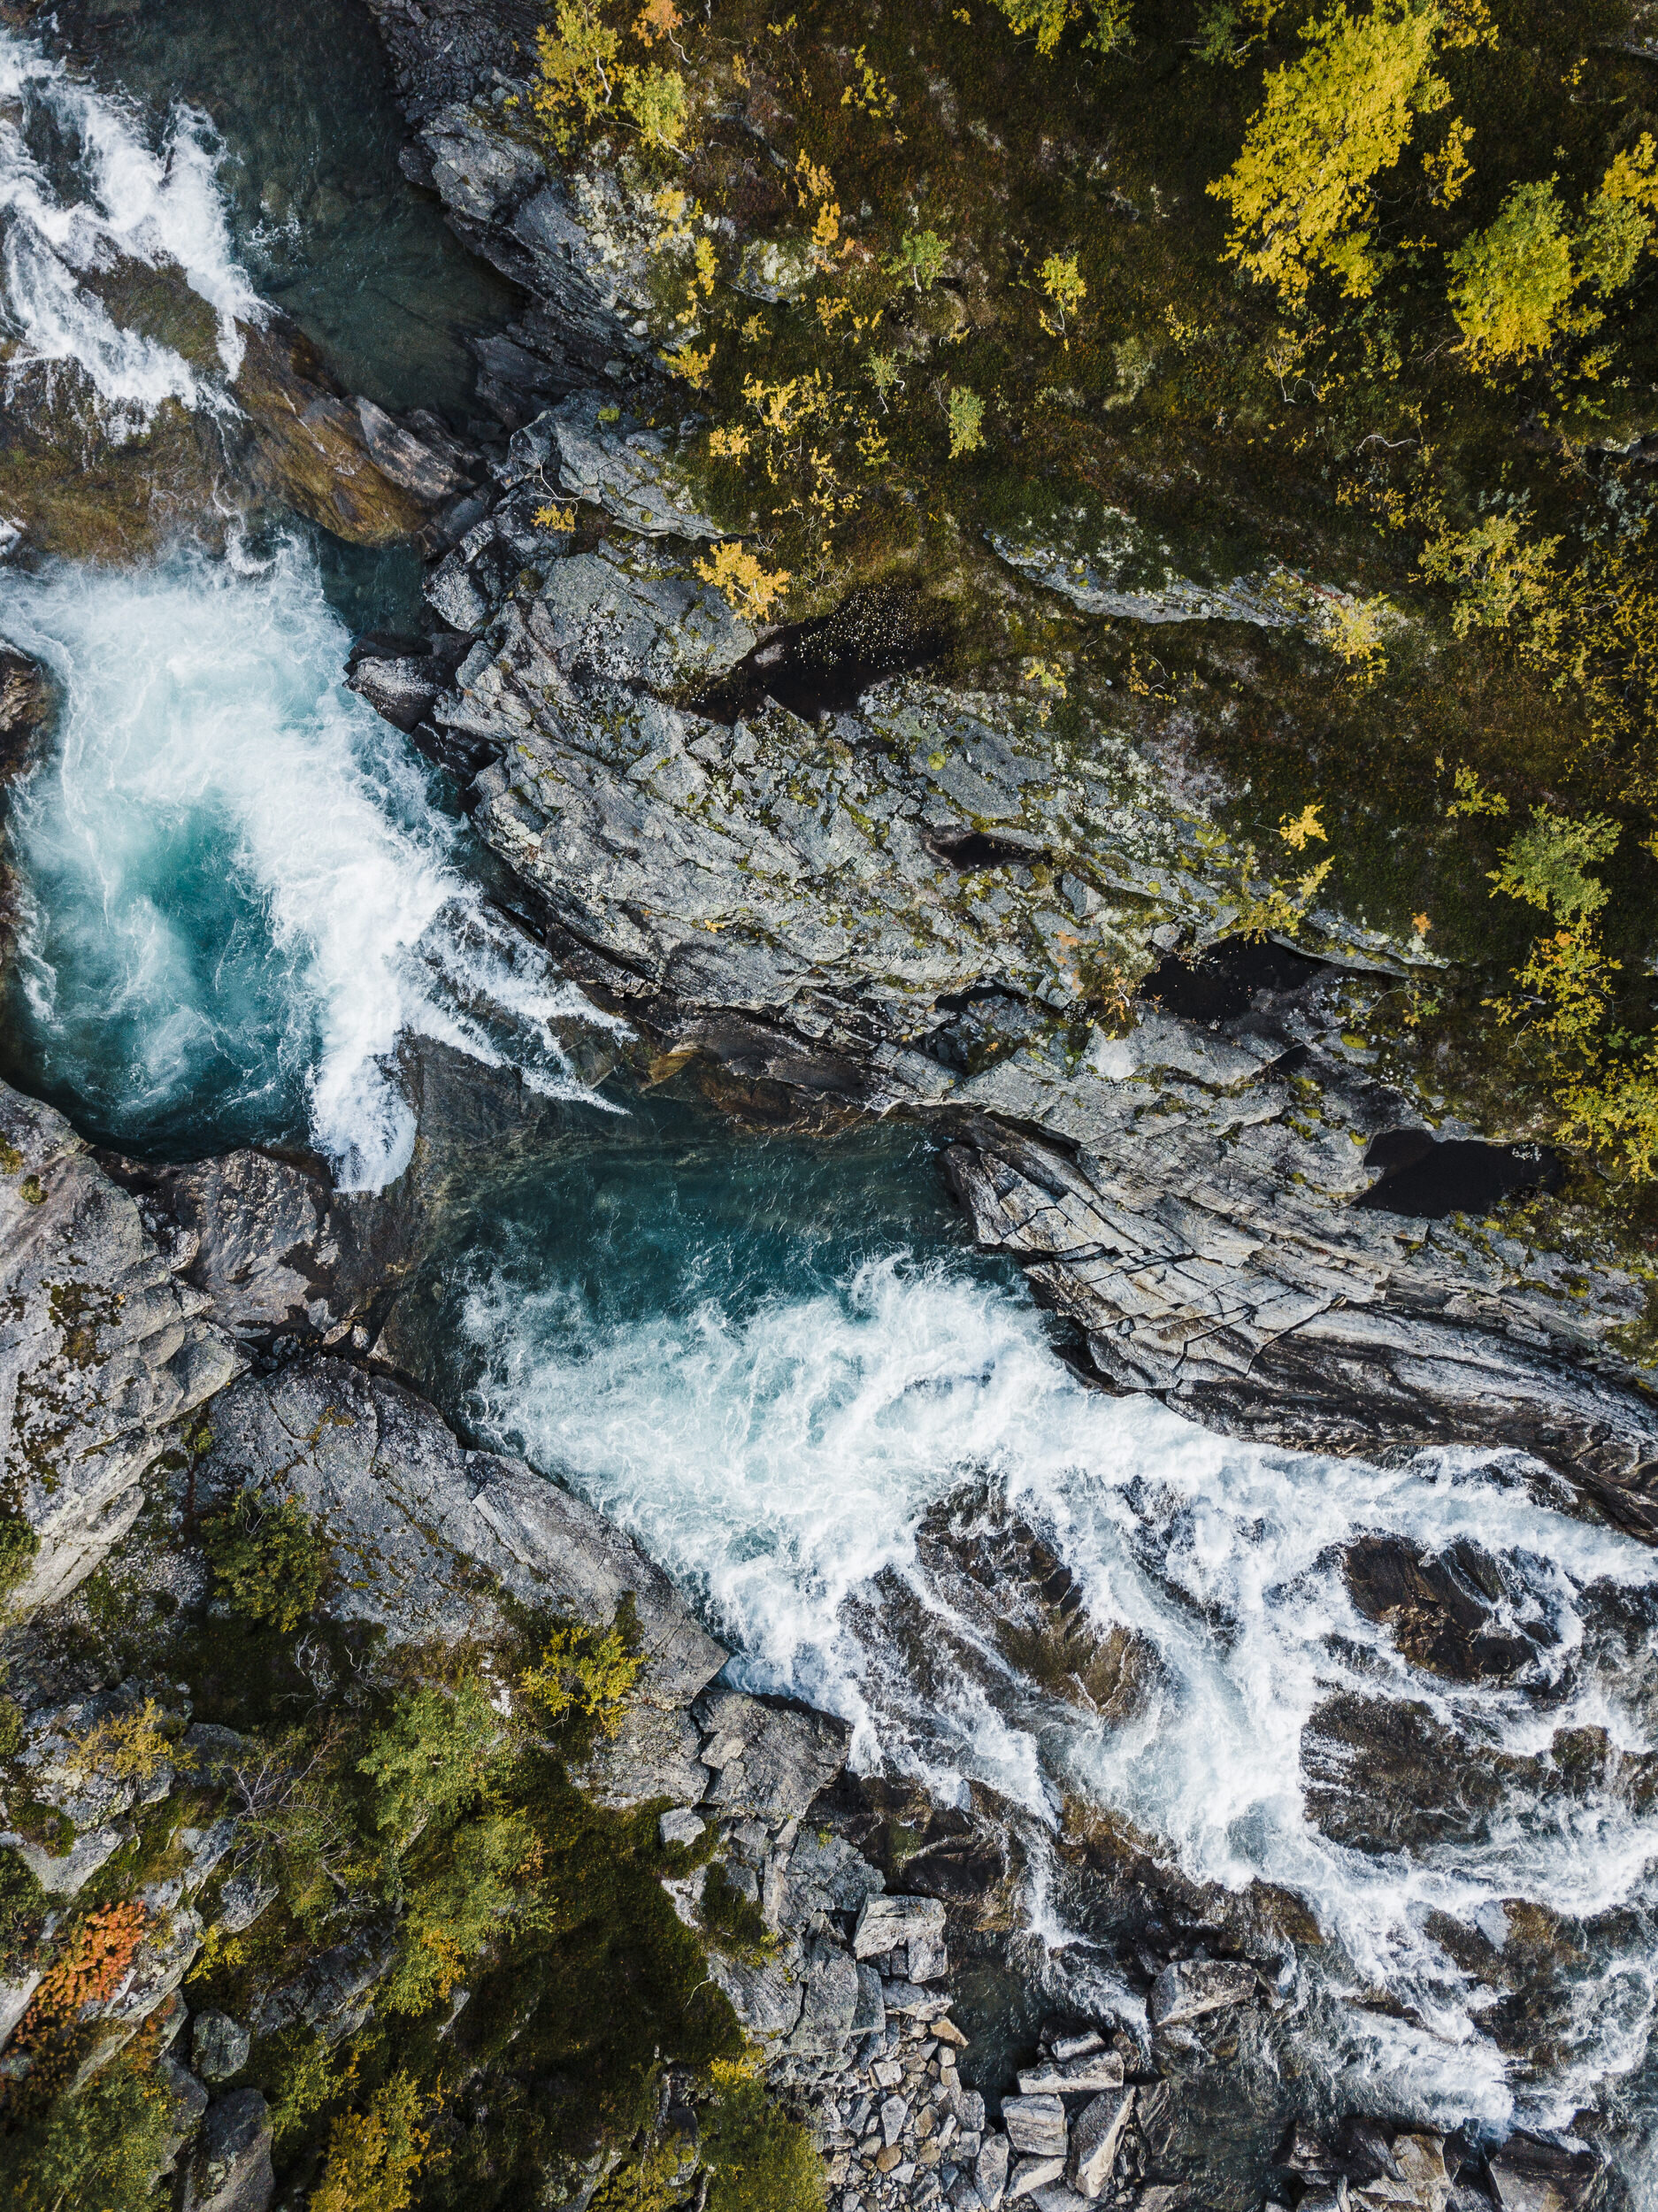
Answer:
(25, 709)
(24, 712)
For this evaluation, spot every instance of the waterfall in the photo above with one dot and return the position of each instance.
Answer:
(82, 191)
(238, 894)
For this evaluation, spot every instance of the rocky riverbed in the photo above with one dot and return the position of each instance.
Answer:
(114, 1346)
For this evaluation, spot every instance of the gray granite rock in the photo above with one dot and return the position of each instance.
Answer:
(1187, 1989)
(231, 2169)
(990, 2170)
(428, 1527)
(66, 1873)
(885, 1922)
(1035, 2126)
(767, 1755)
(218, 2046)
(1095, 2134)
(830, 2003)
(104, 1352)
(1089, 2072)
(332, 1993)
(626, 471)
(766, 1994)
(185, 2102)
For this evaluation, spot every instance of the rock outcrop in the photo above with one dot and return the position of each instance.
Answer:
(103, 1352)
(932, 900)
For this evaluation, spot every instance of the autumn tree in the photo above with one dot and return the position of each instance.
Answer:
(1513, 284)
(1301, 191)
(1105, 22)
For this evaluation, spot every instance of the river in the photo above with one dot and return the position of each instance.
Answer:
(776, 1358)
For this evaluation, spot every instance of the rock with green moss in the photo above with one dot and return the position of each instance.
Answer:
(426, 1535)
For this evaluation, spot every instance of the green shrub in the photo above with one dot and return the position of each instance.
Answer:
(22, 1907)
(102, 2150)
(579, 1687)
(432, 1759)
(19, 1544)
(455, 1903)
(758, 2159)
(269, 1558)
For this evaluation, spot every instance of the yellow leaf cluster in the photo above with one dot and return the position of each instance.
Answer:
(1302, 190)
(375, 2157)
(1105, 22)
(748, 588)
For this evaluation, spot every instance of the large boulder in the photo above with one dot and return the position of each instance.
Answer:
(428, 1533)
(231, 2170)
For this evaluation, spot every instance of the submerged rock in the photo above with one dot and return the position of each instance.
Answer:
(339, 460)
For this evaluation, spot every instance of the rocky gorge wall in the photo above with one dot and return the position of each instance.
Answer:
(916, 898)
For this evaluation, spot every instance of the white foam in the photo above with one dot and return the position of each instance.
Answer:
(780, 1465)
(204, 715)
(155, 205)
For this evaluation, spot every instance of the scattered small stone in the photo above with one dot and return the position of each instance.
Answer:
(1029, 2174)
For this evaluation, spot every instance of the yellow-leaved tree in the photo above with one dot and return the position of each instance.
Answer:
(1511, 284)
(1105, 22)
(1301, 191)
(1518, 285)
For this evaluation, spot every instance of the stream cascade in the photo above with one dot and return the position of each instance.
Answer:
(1382, 1727)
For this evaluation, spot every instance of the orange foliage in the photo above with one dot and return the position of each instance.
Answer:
(88, 1972)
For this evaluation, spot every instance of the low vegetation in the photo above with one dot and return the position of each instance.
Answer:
(534, 1980)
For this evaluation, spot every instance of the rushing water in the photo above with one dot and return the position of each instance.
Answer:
(83, 190)
(777, 1361)
(778, 1364)
(309, 187)
(238, 894)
